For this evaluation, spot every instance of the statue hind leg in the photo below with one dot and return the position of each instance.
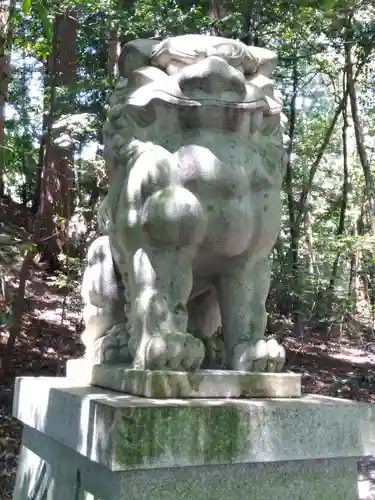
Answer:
(105, 336)
(242, 293)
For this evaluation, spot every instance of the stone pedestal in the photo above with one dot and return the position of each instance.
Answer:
(178, 384)
(82, 442)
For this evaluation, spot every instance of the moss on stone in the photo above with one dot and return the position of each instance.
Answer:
(201, 435)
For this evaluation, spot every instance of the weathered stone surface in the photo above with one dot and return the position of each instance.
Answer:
(53, 471)
(124, 432)
(199, 384)
(195, 147)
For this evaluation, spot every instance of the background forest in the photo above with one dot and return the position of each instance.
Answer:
(58, 62)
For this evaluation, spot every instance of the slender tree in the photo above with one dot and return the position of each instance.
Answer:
(7, 9)
(57, 182)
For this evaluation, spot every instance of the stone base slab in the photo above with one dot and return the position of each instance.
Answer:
(199, 384)
(49, 470)
(123, 432)
(88, 443)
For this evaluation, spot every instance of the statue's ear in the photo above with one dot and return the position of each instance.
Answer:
(142, 116)
(135, 54)
(260, 60)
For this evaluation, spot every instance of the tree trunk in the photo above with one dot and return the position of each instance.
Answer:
(293, 298)
(309, 238)
(57, 179)
(46, 130)
(294, 232)
(360, 139)
(16, 315)
(7, 8)
(345, 185)
(249, 37)
(113, 53)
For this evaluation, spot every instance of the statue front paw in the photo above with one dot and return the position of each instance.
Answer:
(262, 356)
(113, 348)
(173, 351)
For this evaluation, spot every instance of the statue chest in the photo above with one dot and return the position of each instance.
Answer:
(220, 175)
(239, 224)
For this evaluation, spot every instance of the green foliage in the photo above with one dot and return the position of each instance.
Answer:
(26, 6)
(312, 264)
(27, 248)
(66, 277)
(164, 18)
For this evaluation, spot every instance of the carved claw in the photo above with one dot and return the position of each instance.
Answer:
(175, 351)
(113, 348)
(263, 356)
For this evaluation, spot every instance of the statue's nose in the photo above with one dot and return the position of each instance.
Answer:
(213, 76)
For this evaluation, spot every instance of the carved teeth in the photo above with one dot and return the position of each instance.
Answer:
(256, 121)
(272, 108)
(263, 83)
(254, 93)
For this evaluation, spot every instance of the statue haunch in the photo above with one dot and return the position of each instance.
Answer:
(195, 154)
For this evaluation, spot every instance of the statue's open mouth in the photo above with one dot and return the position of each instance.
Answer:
(211, 82)
(180, 100)
(146, 98)
(193, 113)
(210, 112)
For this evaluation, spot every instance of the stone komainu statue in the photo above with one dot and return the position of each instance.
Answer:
(195, 154)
